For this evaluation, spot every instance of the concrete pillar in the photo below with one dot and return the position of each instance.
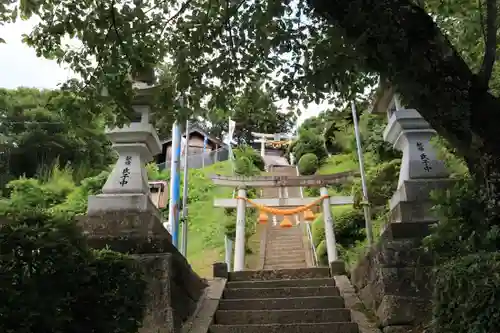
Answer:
(331, 244)
(239, 249)
(263, 147)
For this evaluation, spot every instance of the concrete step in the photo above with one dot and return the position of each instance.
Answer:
(275, 255)
(304, 273)
(296, 263)
(321, 282)
(287, 266)
(285, 255)
(243, 293)
(280, 262)
(288, 242)
(238, 317)
(287, 328)
(286, 248)
(281, 235)
(316, 302)
(295, 243)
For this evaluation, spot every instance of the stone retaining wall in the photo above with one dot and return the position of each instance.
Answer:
(173, 288)
(394, 279)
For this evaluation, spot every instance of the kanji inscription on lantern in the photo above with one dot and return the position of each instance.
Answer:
(423, 157)
(124, 177)
(128, 160)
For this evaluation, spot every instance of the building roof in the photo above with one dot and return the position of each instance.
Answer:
(202, 133)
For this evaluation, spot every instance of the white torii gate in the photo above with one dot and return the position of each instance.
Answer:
(242, 183)
(263, 138)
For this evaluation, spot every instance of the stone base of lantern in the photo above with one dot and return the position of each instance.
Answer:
(121, 202)
(412, 203)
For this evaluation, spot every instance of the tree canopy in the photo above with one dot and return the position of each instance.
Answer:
(36, 133)
(440, 55)
(252, 111)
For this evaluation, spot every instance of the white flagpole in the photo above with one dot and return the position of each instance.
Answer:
(366, 205)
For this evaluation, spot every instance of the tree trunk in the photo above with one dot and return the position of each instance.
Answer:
(401, 42)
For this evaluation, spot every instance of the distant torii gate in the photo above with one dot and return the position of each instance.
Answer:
(263, 138)
(240, 203)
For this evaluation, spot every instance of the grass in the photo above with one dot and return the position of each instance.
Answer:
(339, 163)
(206, 224)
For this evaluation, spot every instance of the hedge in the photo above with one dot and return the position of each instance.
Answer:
(467, 295)
(50, 281)
(349, 228)
(308, 164)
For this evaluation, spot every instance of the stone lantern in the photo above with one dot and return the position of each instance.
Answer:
(421, 171)
(127, 185)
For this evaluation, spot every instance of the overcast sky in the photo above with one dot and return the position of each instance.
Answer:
(20, 67)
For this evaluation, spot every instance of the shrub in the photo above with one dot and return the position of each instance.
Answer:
(322, 253)
(468, 222)
(250, 153)
(381, 180)
(76, 201)
(308, 164)
(243, 166)
(349, 228)
(309, 142)
(52, 282)
(467, 295)
(371, 128)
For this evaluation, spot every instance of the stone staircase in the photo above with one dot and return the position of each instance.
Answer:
(288, 300)
(284, 248)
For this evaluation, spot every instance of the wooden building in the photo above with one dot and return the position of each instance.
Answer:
(196, 138)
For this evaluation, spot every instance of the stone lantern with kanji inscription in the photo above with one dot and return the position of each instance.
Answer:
(136, 144)
(421, 170)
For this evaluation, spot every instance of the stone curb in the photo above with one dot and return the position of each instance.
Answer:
(353, 303)
(202, 318)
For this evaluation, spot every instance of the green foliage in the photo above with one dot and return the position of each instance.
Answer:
(371, 128)
(254, 43)
(467, 222)
(248, 161)
(339, 163)
(381, 181)
(253, 110)
(56, 193)
(251, 154)
(349, 228)
(243, 166)
(454, 163)
(76, 201)
(52, 282)
(466, 31)
(308, 164)
(38, 134)
(467, 294)
(309, 142)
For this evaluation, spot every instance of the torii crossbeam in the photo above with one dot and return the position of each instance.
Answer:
(284, 181)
